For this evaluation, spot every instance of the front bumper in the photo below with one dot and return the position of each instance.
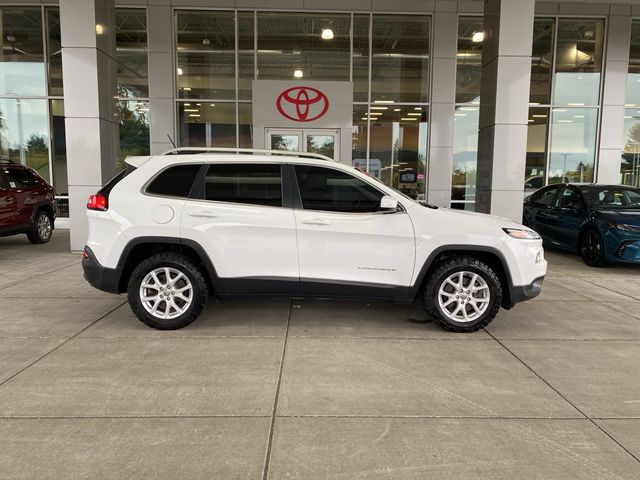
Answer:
(522, 293)
(102, 278)
(623, 247)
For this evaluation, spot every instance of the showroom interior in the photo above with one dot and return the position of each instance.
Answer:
(86, 83)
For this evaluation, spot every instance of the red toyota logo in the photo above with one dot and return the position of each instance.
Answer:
(302, 104)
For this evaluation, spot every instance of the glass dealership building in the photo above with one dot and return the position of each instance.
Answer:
(188, 72)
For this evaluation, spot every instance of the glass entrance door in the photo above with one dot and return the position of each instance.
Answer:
(323, 141)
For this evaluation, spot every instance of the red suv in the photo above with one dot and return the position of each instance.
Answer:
(27, 203)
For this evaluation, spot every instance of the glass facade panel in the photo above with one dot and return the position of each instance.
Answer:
(578, 61)
(573, 139)
(207, 124)
(359, 141)
(246, 57)
(469, 59)
(24, 133)
(134, 128)
(630, 166)
(206, 54)
(54, 51)
(398, 147)
(131, 52)
(542, 60)
(22, 68)
(537, 134)
(465, 156)
(360, 58)
(58, 148)
(311, 46)
(245, 125)
(400, 58)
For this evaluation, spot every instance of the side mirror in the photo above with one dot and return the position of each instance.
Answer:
(388, 203)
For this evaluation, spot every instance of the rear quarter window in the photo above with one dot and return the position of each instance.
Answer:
(175, 181)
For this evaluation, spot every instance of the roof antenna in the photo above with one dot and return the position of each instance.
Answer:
(171, 140)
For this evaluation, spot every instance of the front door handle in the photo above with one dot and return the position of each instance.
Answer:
(315, 221)
(204, 214)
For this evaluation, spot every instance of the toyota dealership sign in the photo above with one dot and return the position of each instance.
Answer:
(302, 104)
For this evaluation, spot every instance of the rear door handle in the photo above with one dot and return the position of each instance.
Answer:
(204, 214)
(315, 221)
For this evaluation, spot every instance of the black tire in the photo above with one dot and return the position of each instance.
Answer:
(592, 248)
(184, 265)
(42, 228)
(446, 269)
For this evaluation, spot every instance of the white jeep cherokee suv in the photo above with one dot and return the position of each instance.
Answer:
(173, 229)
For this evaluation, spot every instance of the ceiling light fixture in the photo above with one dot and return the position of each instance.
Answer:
(477, 37)
(206, 41)
(327, 34)
(180, 72)
(408, 118)
(297, 73)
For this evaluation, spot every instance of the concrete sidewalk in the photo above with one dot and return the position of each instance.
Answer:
(315, 389)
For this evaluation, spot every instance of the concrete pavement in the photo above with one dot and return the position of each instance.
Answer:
(315, 389)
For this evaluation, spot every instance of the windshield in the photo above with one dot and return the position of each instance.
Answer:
(612, 197)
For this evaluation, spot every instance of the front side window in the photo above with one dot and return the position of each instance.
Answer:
(335, 191)
(569, 198)
(545, 196)
(175, 181)
(254, 184)
(20, 177)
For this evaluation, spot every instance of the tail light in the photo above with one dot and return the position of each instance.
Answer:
(98, 202)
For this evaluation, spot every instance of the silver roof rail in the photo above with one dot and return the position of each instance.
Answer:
(195, 150)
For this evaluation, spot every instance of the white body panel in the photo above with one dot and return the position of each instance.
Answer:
(243, 240)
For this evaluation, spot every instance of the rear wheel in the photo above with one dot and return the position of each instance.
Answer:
(463, 294)
(42, 228)
(592, 248)
(167, 291)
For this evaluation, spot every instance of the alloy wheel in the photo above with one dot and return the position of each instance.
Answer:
(591, 247)
(464, 296)
(166, 293)
(44, 226)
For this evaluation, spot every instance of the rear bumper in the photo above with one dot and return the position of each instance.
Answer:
(102, 278)
(522, 293)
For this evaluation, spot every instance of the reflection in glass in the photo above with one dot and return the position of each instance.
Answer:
(245, 116)
(294, 41)
(206, 124)
(541, 60)
(399, 147)
(22, 70)
(285, 142)
(24, 133)
(359, 141)
(536, 149)
(322, 144)
(54, 51)
(131, 52)
(469, 59)
(360, 58)
(573, 138)
(465, 155)
(134, 128)
(630, 166)
(578, 61)
(206, 54)
(246, 49)
(400, 63)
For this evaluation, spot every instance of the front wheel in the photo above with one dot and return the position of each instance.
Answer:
(463, 294)
(42, 228)
(167, 291)
(592, 248)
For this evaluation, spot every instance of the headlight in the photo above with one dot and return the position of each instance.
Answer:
(521, 233)
(623, 227)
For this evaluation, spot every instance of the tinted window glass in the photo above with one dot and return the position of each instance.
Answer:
(175, 181)
(3, 181)
(244, 183)
(21, 177)
(544, 197)
(612, 197)
(335, 191)
(568, 198)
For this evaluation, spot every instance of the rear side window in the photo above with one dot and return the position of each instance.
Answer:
(334, 191)
(20, 177)
(255, 184)
(174, 181)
